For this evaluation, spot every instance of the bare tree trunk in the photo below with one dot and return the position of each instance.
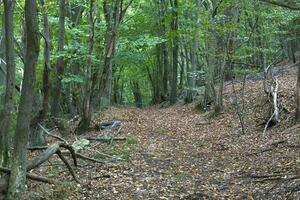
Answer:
(194, 49)
(161, 74)
(297, 94)
(114, 12)
(175, 49)
(47, 64)
(210, 93)
(86, 114)
(2, 54)
(135, 86)
(157, 75)
(35, 137)
(182, 71)
(55, 107)
(6, 113)
(18, 170)
(165, 51)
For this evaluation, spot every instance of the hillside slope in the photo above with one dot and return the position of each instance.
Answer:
(181, 153)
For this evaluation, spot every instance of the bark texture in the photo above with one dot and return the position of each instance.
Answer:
(6, 113)
(55, 109)
(17, 178)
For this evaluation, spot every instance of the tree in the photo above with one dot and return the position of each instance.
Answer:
(175, 49)
(6, 113)
(192, 75)
(55, 107)
(114, 12)
(35, 137)
(18, 167)
(86, 114)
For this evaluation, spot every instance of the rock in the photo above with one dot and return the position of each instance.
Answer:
(80, 144)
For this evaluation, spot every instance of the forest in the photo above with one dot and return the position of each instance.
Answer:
(149, 99)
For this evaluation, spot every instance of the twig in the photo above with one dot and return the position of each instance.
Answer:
(106, 155)
(90, 159)
(52, 135)
(239, 110)
(114, 136)
(274, 178)
(105, 139)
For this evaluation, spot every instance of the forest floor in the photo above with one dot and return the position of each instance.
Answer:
(181, 153)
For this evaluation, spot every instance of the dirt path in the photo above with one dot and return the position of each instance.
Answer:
(179, 153)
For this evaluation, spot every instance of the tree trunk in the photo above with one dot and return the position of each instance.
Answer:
(157, 75)
(165, 52)
(113, 12)
(36, 137)
(194, 48)
(47, 63)
(210, 93)
(161, 73)
(6, 113)
(182, 72)
(137, 93)
(2, 54)
(18, 168)
(175, 48)
(297, 94)
(86, 114)
(55, 107)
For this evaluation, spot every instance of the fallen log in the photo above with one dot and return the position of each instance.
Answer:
(32, 176)
(52, 149)
(36, 162)
(77, 155)
(4, 180)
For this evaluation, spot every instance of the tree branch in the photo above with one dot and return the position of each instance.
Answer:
(280, 4)
(31, 176)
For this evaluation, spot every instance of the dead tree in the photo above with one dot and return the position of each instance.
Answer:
(271, 89)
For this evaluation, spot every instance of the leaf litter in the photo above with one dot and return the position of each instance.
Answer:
(181, 153)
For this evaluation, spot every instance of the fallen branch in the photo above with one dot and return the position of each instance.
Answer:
(105, 139)
(77, 155)
(36, 162)
(274, 177)
(90, 159)
(106, 155)
(61, 156)
(52, 135)
(31, 176)
(115, 135)
(44, 156)
(52, 149)
(270, 147)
